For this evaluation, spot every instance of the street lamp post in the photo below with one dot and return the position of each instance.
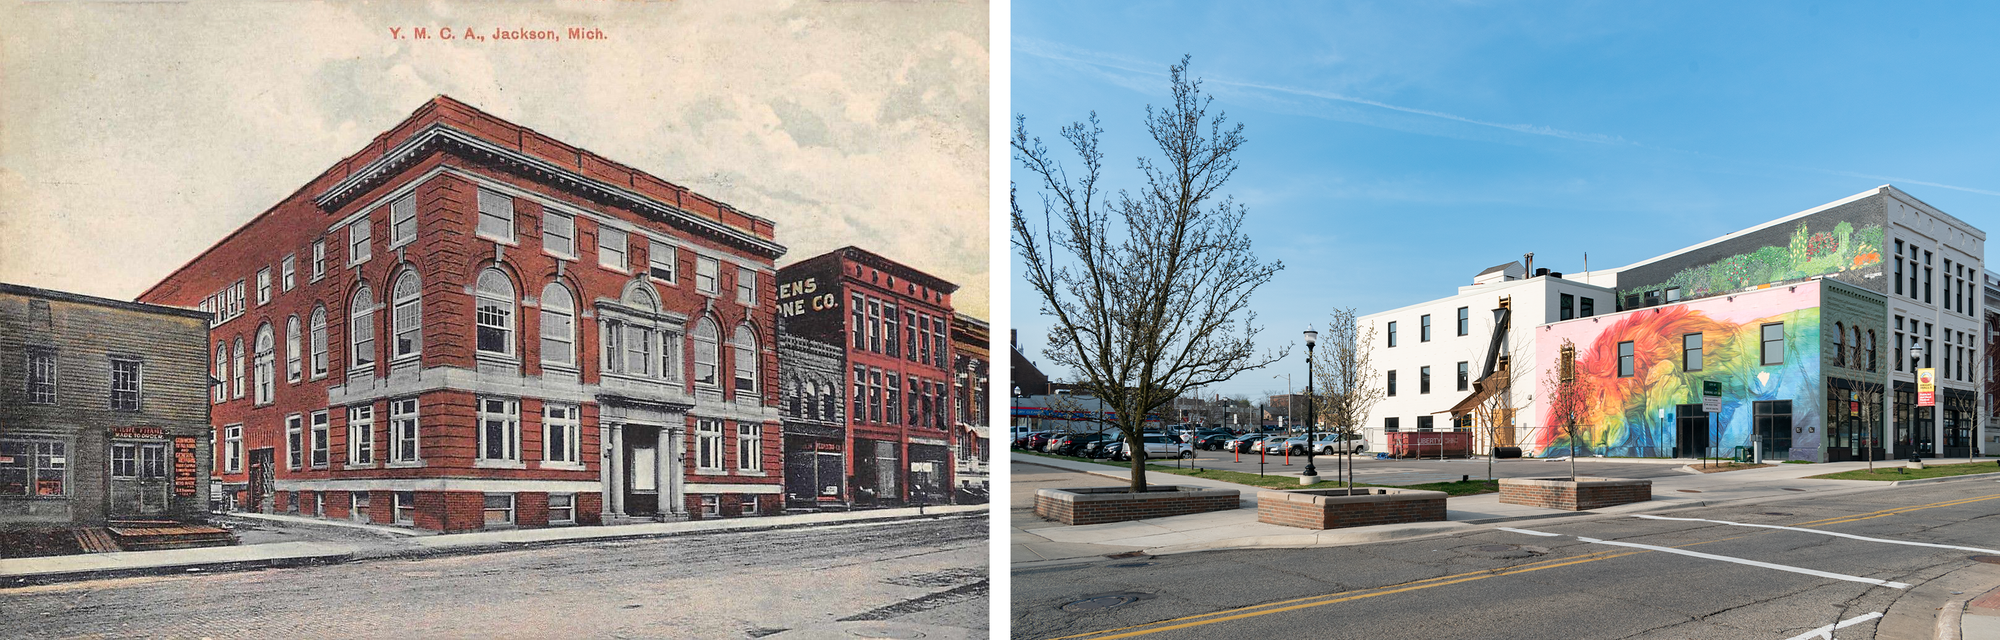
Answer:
(1916, 356)
(1311, 475)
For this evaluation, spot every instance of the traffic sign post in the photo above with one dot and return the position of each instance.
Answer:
(1711, 404)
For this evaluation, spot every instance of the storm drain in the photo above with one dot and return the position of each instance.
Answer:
(1987, 559)
(1103, 601)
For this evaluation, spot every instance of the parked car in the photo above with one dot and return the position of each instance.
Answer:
(1212, 442)
(1024, 441)
(1037, 440)
(1161, 447)
(1244, 444)
(1096, 448)
(1114, 449)
(1295, 445)
(1073, 444)
(1332, 443)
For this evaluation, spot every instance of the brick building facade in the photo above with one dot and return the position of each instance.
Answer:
(972, 381)
(468, 325)
(891, 326)
(103, 410)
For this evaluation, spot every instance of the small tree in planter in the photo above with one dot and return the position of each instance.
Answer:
(1568, 398)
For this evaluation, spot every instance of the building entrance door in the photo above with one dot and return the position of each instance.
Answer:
(1691, 438)
(138, 479)
(642, 470)
(262, 470)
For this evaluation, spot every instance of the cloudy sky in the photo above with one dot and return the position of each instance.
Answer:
(134, 135)
(1397, 148)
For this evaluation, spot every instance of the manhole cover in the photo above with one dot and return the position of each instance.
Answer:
(1688, 490)
(885, 632)
(1099, 603)
(1987, 559)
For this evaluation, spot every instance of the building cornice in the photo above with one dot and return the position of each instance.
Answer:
(440, 136)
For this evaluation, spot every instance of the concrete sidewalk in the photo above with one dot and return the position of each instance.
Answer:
(1044, 542)
(23, 571)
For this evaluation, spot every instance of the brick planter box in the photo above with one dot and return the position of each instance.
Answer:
(1360, 507)
(1581, 495)
(1098, 505)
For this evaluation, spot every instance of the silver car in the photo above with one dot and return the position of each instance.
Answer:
(1332, 443)
(1295, 444)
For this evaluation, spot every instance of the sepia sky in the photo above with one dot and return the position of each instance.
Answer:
(135, 135)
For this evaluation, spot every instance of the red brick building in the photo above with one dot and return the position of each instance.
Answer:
(468, 324)
(891, 326)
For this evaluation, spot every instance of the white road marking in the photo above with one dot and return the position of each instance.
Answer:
(1827, 631)
(1830, 533)
(1532, 533)
(1753, 563)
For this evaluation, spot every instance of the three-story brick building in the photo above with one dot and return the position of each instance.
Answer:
(469, 324)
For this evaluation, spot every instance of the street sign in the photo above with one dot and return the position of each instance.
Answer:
(1927, 387)
(1711, 396)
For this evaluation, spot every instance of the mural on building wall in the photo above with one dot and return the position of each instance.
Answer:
(1636, 415)
(1809, 253)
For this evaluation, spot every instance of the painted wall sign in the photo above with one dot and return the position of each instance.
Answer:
(138, 432)
(800, 297)
(186, 471)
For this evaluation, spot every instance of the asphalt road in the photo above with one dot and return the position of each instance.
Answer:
(1506, 584)
(730, 585)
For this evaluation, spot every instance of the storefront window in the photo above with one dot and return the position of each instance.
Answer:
(34, 468)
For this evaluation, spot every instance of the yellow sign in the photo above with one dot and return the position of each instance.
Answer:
(1927, 387)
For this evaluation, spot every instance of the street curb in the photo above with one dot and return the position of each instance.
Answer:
(1969, 476)
(353, 554)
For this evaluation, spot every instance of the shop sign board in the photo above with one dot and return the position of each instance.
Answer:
(186, 471)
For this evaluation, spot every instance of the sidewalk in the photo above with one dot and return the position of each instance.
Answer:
(403, 543)
(1044, 542)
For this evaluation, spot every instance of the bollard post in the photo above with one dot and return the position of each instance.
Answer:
(1288, 457)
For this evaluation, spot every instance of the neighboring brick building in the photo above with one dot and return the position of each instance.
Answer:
(891, 325)
(468, 324)
(815, 416)
(972, 380)
(103, 410)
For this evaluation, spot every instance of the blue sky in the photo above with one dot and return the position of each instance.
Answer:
(1397, 148)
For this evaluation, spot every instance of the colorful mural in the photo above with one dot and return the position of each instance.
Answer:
(1635, 415)
(1809, 254)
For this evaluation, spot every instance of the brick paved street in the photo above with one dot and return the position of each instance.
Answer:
(731, 585)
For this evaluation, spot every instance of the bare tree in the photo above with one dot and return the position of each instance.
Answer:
(1568, 398)
(1344, 368)
(1150, 291)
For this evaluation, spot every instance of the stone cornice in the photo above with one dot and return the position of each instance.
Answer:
(439, 136)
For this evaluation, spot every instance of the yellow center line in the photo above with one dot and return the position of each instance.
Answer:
(1879, 514)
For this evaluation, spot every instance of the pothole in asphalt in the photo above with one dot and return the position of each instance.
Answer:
(1103, 601)
(1987, 559)
(945, 578)
(761, 632)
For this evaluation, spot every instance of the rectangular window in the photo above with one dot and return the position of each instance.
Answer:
(558, 234)
(1424, 423)
(890, 326)
(1927, 279)
(1774, 343)
(1464, 321)
(746, 287)
(1625, 359)
(1392, 334)
(875, 395)
(1673, 294)
(707, 274)
(893, 404)
(295, 441)
(1567, 307)
(406, 507)
(496, 216)
(860, 396)
(232, 448)
(361, 433)
(42, 376)
(909, 335)
(1423, 380)
(1589, 307)
(562, 508)
(1566, 364)
(358, 249)
(1774, 426)
(288, 272)
(1424, 329)
(318, 260)
(1691, 352)
(499, 429)
(708, 445)
(264, 286)
(125, 385)
(320, 440)
(611, 249)
(1392, 383)
(1392, 425)
(404, 441)
(749, 446)
(561, 433)
(1464, 376)
(660, 258)
(858, 321)
(711, 506)
(499, 509)
(124, 460)
(358, 506)
(874, 326)
(402, 221)
(34, 467)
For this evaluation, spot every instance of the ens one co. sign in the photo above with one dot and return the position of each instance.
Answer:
(798, 297)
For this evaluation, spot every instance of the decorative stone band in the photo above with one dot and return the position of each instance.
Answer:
(1339, 508)
(1582, 494)
(1097, 505)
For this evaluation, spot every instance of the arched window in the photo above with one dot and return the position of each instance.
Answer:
(1871, 349)
(744, 344)
(558, 327)
(294, 358)
(406, 318)
(236, 365)
(318, 342)
(361, 329)
(266, 367)
(496, 313)
(221, 371)
(707, 353)
(1839, 344)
